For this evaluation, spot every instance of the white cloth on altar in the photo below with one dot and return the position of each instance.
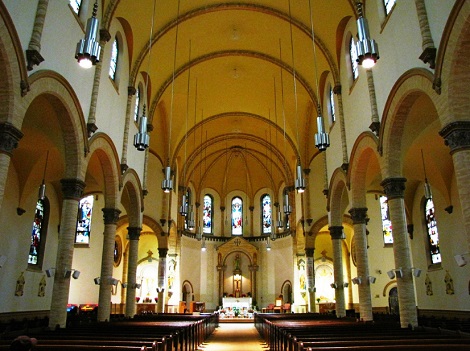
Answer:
(239, 302)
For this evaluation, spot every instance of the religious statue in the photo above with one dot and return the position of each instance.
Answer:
(20, 285)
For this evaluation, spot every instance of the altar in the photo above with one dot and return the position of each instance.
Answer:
(239, 302)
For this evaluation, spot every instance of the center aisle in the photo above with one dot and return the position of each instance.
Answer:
(234, 337)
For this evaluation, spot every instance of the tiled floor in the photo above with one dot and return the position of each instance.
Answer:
(234, 337)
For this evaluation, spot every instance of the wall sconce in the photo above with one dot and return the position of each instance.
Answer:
(124, 285)
(88, 49)
(50, 272)
(268, 244)
(334, 285)
(3, 259)
(416, 272)
(460, 259)
(345, 284)
(97, 280)
(203, 245)
(371, 279)
(357, 280)
(113, 281)
(71, 273)
(398, 272)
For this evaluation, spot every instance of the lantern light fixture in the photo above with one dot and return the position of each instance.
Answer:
(88, 49)
(367, 48)
(142, 138)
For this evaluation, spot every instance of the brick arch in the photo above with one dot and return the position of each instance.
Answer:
(319, 224)
(363, 152)
(338, 188)
(451, 73)
(13, 73)
(132, 188)
(157, 229)
(407, 89)
(459, 68)
(101, 146)
(61, 95)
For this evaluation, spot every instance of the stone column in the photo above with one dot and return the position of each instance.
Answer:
(337, 236)
(429, 50)
(394, 190)
(222, 220)
(457, 137)
(253, 269)
(161, 279)
(251, 208)
(110, 216)
(72, 191)
(310, 272)
(146, 167)
(33, 53)
(105, 36)
(375, 122)
(359, 217)
(130, 93)
(134, 235)
(221, 269)
(9, 137)
(344, 145)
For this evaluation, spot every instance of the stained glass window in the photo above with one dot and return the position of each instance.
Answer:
(75, 4)
(353, 58)
(36, 235)
(114, 60)
(386, 222)
(389, 6)
(237, 216)
(85, 210)
(332, 106)
(433, 235)
(137, 105)
(207, 215)
(266, 213)
(190, 215)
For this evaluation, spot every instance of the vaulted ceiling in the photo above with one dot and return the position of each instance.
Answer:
(233, 84)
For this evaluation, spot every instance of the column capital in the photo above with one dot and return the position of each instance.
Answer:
(134, 233)
(105, 36)
(110, 215)
(309, 251)
(394, 187)
(336, 232)
(162, 253)
(359, 215)
(131, 91)
(456, 135)
(72, 189)
(9, 137)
